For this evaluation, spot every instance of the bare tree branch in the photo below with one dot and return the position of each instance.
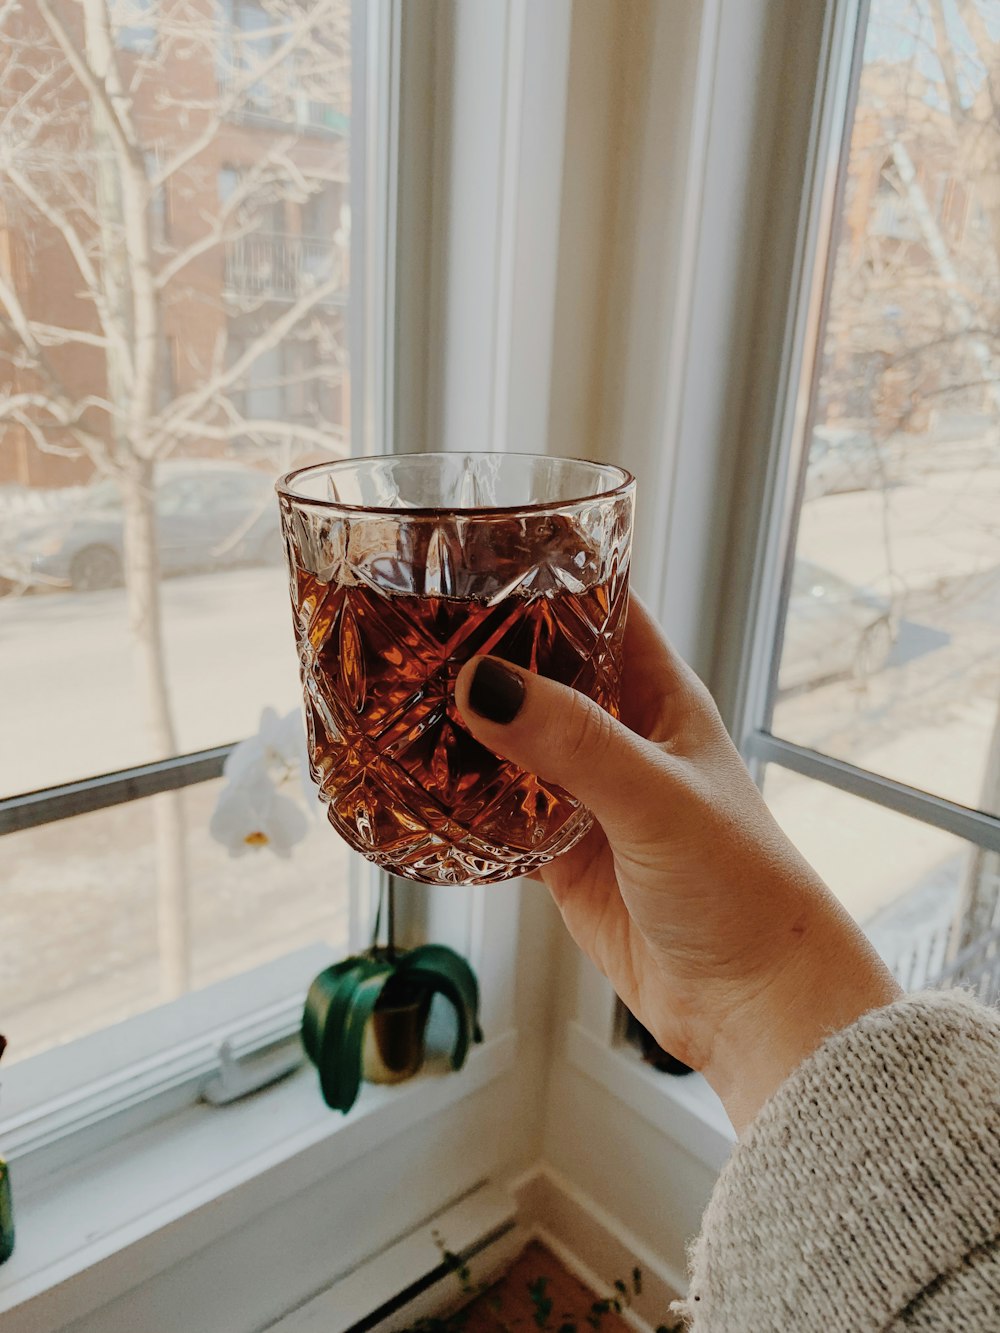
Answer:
(54, 335)
(42, 442)
(199, 398)
(74, 244)
(238, 91)
(243, 191)
(95, 87)
(264, 427)
(945, 53)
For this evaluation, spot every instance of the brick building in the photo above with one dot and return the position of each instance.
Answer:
(244, 106)
(916, 258)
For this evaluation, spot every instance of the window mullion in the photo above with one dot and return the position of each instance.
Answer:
(973, 825)
(32, 809)
(837, 76)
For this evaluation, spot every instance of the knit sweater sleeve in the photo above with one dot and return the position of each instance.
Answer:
(866, 1194)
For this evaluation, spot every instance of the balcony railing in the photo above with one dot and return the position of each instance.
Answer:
(277, 102)
(276, 267)
(975, 968)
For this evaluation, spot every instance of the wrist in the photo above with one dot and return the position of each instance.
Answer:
(826, 984)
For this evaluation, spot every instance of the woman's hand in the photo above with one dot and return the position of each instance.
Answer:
(709, 924)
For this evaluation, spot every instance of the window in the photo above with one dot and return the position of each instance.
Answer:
(254, 41)
(149, 1204)
(273, 66)
(142, 600)
(883, 671)
(159, 202)
(134, 25)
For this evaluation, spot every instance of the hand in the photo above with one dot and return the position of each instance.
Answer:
(711, 927)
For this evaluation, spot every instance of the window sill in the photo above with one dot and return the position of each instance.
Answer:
(95, 1230)
(683, 1107)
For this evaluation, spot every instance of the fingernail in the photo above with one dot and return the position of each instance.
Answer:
(496, 692)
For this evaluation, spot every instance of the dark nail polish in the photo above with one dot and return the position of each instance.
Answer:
(496, 692)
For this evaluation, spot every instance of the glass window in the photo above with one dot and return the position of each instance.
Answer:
(273, 64)
(143, 606)
(917, 891)
(134, 23)
(888, 650)
(89, 940)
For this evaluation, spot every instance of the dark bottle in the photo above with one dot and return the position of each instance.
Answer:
(6, 1202)
(6, 1214)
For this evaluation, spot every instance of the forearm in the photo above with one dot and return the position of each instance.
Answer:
(867, 1190)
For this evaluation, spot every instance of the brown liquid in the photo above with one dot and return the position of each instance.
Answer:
(407, 785)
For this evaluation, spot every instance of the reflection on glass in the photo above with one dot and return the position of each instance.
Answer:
(175, 337)
(70, 674)
(922, 896)
(81, 945)
(891, 645)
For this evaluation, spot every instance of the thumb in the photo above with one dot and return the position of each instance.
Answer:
(560, 735)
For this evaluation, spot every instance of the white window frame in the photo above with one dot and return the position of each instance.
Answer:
(701, 452)
(772, 556)
(47, 1098)
(717, 469)
(83, 1242)
(689, 329)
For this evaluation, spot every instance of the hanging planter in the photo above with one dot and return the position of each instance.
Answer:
(366, 1015)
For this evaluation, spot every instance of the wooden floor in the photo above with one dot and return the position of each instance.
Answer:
(571, 1300)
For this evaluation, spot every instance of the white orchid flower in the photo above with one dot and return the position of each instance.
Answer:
(276, 748)
(252, 814)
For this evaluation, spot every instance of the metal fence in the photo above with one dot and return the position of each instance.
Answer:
(930, 961)
(279, 267)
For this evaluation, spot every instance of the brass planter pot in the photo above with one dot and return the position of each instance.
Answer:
(394, 1039)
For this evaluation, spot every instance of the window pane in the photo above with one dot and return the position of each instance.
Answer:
(926, 899)
(92, 934)
(173, 335)
(891, 645)
(68, 675)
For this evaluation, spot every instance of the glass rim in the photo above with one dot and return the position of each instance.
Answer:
(285, 487)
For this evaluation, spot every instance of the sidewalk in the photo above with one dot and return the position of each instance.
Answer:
(910, 538)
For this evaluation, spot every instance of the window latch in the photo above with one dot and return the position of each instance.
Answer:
(238, 1077)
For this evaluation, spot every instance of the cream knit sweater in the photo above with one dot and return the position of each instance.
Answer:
(866, 1194)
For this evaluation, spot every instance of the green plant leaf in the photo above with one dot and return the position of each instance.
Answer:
(340, 994)
(440, 985)
(341, 1055)
(445, 962)
(328, 1033)
(321, 994)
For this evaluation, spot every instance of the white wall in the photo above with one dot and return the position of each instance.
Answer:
(688, 125)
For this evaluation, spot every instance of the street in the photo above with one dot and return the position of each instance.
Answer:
(926, 718)
(71, 703)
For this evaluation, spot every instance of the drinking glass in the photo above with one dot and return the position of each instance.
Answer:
(402, 567)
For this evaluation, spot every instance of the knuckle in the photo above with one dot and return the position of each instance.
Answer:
(586, 732)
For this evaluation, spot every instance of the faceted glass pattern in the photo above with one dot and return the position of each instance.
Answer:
(401, 569)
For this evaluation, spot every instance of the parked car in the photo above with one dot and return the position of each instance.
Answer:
(209, 515)
(833, 629)
(842, 459)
